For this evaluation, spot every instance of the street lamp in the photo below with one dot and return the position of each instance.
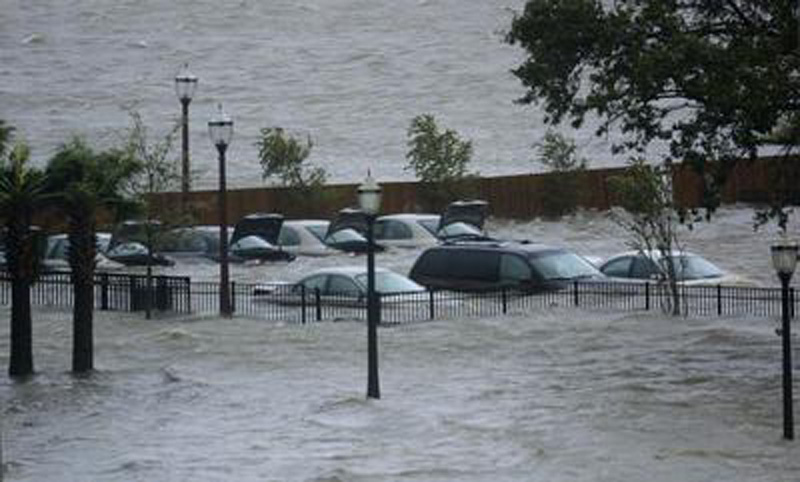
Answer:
(185, 85)
(220, 128)
(784, 260)
(369, 199)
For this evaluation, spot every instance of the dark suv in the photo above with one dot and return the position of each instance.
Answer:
(486, 266)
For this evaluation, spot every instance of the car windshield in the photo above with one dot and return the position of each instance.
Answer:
(389, 282)
(689, 267)
(345, 235)
(318, 230)
(430, 225)
(459, 229)
(555, 265)
(251, 242)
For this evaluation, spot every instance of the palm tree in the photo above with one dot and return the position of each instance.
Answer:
(86, 182)
(21, 193)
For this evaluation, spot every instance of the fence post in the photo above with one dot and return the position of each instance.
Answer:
(103, 291)
(575, 292)
(378, 308)
(318, 304)
(505, 299)
(647, 296)
(303, 304)
(233, 297)
(719, 300)
(187, 281)
(431, 304)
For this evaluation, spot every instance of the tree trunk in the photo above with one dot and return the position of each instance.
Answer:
(82, 327)
(21, 361)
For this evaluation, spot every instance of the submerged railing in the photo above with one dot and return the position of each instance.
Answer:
(294, 304)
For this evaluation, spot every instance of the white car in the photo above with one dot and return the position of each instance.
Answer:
(410, 230)
(305, 237)
(651, 266)
(55, 255)
(345, 285)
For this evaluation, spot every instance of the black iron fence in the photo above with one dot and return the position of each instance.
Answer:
(112, 291)
(293, 304)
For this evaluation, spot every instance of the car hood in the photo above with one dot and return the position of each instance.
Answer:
(265, 226)
(348, 218)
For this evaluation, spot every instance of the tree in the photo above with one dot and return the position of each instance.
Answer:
(155, 173)
(6, 133)
(84, 182)
(559, 155)
(712, 80)
(650, 217)
(21, 194)
(283, 156)
(439, 160)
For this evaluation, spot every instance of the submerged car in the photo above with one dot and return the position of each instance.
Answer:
(305, 237)
(128, 244)
(479, 266)
(651, 265)
(57, 250)
(461, 220)
(255, 237)
(347, 232)
(338, 285)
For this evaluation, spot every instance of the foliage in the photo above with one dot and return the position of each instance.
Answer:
(712, 80)
(6, 134)
(84, 182)
(559, 155)
(155, 173)
(649, 215)
(21, 194)
(283, 156)
(439, 160)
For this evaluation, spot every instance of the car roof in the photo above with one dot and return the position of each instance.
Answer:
(410, 216)
(344, 270)
(305, 222)
(521, 247)
(651, 253)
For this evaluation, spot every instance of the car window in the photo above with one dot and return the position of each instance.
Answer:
(431, 263)
(644, 268)
(390, 282)
(690, 267)
(288, 236)
(392, 229)
(620, 267)
(514, 268)
(345, 235)
(430, 225)
(318, 230)
(459, 229)
(474, 265)
(312, 283)
(342, 285)
(556, 264)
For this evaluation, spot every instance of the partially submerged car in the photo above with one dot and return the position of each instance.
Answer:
(338, 285)
(651, 265)
(479, 266)
(255, 237)
(305, 237)
(57, 251)
(348, 232)
(128, 244)
(461, 220)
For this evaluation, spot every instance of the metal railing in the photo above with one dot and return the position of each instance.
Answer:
(294, 304)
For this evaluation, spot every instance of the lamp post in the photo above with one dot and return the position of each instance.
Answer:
(220, 128)
(185, 85)
(369, 199)
(784, 260)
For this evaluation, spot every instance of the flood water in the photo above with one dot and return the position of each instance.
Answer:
(557, 394)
